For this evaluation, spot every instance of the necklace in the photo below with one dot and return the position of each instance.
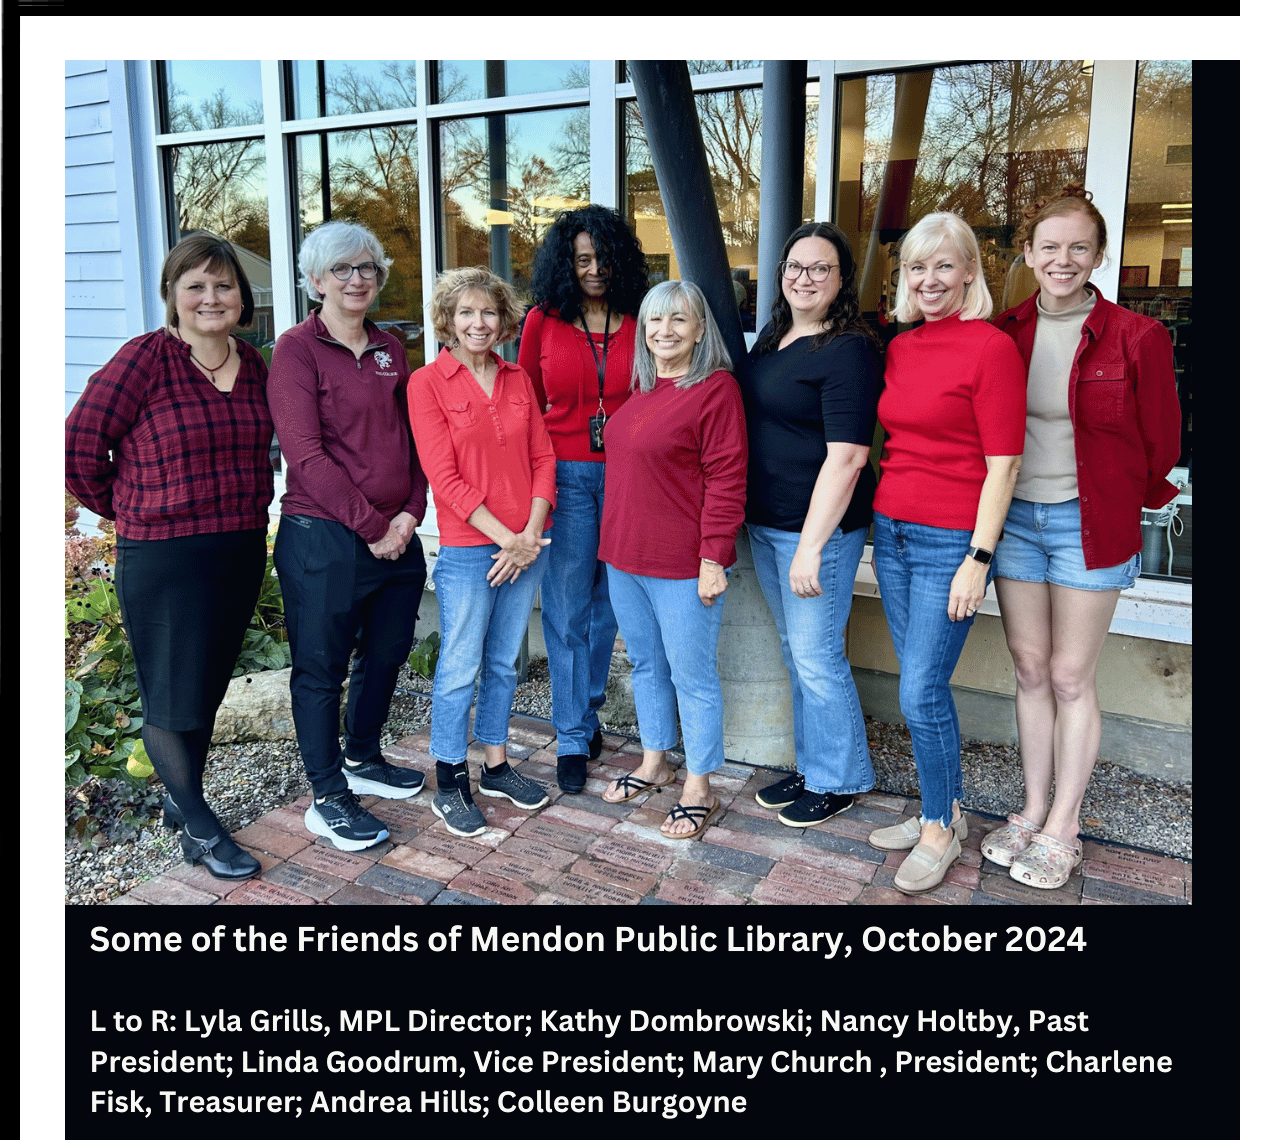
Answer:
(216, 368)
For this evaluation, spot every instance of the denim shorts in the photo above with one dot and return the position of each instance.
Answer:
(1042, 543)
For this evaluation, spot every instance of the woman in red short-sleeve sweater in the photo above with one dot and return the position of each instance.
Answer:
(953, 412)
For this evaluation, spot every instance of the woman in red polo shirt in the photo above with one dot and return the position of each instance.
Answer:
(170, 440)
(1103, 431)
(483, 445)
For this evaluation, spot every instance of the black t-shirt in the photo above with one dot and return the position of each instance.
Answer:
(797, 401)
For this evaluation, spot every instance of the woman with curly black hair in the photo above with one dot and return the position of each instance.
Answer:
(810, 385)
(578, 349)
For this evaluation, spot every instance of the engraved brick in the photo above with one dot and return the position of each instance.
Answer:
(485, 886)
(461, 898)
(1140, 879)
(1123, 895)
(392, 881)
(546, 854)
(258, 893)
(638, 856)
(304, 880)
(559, 834)
(578, 888)
(638, 881)
(805, 878)
(509, 866)
(691, 892)
(353, 894)
(425, 864)
(443, 843)
(330, 861)
(562, 812)
(775, 892)
(166, 890)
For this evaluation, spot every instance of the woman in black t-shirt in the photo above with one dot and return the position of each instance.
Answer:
(810, 386)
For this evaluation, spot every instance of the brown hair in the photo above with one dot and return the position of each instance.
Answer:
(1072, 199)
(196, 251)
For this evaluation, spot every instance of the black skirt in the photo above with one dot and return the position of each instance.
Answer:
(185, 604)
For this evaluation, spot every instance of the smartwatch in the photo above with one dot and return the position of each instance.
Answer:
(979, 554)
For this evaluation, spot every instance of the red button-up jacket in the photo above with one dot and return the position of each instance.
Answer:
(1126, 421)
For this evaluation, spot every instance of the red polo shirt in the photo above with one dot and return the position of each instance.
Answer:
(479, 450)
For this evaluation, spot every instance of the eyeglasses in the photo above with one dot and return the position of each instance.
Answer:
(817, 272)
(368, 270)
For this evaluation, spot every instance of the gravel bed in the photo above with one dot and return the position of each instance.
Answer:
(246, 781)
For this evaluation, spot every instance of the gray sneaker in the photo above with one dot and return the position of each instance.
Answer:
(508, 784)
(456, 808)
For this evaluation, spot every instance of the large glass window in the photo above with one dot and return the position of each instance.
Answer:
(370, 176)
(731, 125)
(464, 80)
(1157, 272)
(503, 179)
(321, 87)
(207, 94)
(980, 139)
(220, 187)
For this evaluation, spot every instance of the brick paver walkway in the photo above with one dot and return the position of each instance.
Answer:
(579, 849)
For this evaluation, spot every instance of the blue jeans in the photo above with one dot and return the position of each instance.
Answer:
(482, 631)
(915, 565)
(576, 612)
(672, 640)
(830, 733)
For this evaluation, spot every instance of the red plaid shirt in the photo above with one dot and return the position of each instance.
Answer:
(155, 446)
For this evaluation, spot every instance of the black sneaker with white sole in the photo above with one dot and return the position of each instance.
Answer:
(814, 807)
(508, 784)
(380, 778)
(345, 822)
(456, 808)
(784, 792)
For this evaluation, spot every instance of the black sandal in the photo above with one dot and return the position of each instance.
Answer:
(692, 813)
(635, 786)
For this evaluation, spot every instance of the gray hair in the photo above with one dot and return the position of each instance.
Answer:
(920, 243)
(335, 242)
(709, 354)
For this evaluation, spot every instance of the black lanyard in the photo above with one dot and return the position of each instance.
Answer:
(600, 365)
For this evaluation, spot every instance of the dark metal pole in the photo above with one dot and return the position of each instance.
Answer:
(674, 136)
(781, 171)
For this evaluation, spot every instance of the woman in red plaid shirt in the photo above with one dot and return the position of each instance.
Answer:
(170, 440)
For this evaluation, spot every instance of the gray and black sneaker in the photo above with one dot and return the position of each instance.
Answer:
(784, 792)
(508, 784)
(345, 822)
(814, 807)
(380, 778)
(456, 808)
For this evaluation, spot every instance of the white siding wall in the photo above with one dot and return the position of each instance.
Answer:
(103, 301)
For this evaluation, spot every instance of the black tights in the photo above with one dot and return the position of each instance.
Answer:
(180, 760)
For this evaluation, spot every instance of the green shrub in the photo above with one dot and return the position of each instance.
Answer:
(424, 656)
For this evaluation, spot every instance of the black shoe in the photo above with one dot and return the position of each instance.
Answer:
(784, 792)
(572, 773)
(241, 865)
(171, 816)
(814, 807)
(596, 744)
(454, 805)
(519, 790)
(380, 778)
(345, 822)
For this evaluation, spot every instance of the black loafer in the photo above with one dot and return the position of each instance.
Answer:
(571, 771)
(242, 865)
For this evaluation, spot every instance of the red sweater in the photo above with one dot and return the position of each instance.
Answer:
(558, 360)
(675, 486)
(955, 391)
(478, 451)
(1126, 421)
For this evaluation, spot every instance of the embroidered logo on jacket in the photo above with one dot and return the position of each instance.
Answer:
(383, 359)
